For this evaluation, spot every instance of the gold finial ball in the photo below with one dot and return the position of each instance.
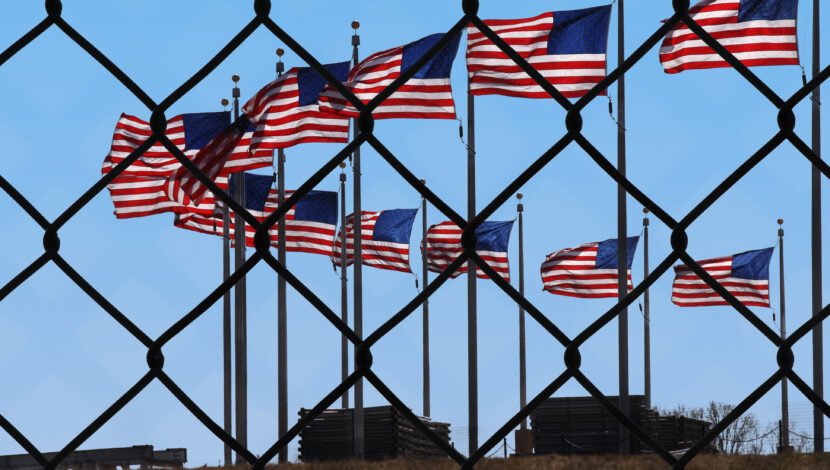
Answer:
(235, 78)
(780, 221)
(645, 210)
(280, 52)
(519, 196)
(342, 164)
(423, 181)
(355, 24)
(224, 101)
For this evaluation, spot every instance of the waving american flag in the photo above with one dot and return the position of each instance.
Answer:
(745, 275)
(427, 95)
(589, 270)
(567, 47)
(443, 246)
(384, 240)
(309, 226)
(757, 32)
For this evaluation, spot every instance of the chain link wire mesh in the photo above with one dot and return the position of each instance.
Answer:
(365, 124)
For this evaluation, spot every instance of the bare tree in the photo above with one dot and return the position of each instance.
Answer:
(741, 436)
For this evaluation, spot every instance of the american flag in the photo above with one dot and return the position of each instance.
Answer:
(427, 95)
(745, 275)
(567, 47)
(756, 32)
(443, 245)
(385, 239)
(588, 270)
(309, 226)
(287, 112)
(140, 189)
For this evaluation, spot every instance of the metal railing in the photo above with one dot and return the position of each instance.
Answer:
(365, 125)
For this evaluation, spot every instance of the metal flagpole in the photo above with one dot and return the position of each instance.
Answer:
(622, 266)
(226, 326)
(344, 289)
(239, 300)
(425, 275)
(646, 318)
(785, 412)
(522, 357)
(358, 271)
(818, 366)
(282, 312)
(472, 327)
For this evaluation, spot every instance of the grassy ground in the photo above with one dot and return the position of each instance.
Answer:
(610, 462)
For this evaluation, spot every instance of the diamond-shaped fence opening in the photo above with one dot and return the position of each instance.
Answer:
(572, 138)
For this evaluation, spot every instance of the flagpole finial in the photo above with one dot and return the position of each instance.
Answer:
(423, 181)
(355, 37)
(780, 221)
(645, 210)
(280, 65)
(235, 78)
(225, 101)
(342, 164)
(518, 195)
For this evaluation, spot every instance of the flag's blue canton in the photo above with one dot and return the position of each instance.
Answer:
(201, 128)
(394, 225)
(310, 83)
(439, 66)
(580, 31)
(752, 264)
(769, 10)
(607, 253)
(493, 236)
(256, 190)
(317, 206)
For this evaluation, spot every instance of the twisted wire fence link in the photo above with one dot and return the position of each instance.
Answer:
(365, 123)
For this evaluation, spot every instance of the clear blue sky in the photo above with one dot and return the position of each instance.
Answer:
(64, 360)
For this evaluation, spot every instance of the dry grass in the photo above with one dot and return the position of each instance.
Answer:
(600, 462)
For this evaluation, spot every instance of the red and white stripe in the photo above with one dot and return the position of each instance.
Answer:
(492, 72)
(281, 122)
(140, 189)
(572, 272)
(300, 235)
(418, 98)
(379, 254)
(689, 290)
(758, 42)
(443, 246)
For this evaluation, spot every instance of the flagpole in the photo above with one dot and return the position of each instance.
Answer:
(425, 306)
(226, 326)
(239, 299)
(522, 354)
(472, 327)
(818, 366)
(344, 289)
(622, 265)
(646, 318)
(282, 311)
(785, 412)
(358, 270)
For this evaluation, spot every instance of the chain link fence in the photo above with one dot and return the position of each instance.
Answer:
(365, 123)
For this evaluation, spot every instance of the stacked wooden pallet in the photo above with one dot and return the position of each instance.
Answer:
(581, 425)
(680, 432)
(387, 435)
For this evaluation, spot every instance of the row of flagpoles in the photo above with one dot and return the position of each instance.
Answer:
(568, 47)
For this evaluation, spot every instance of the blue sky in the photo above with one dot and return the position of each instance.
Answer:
(65, 360)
